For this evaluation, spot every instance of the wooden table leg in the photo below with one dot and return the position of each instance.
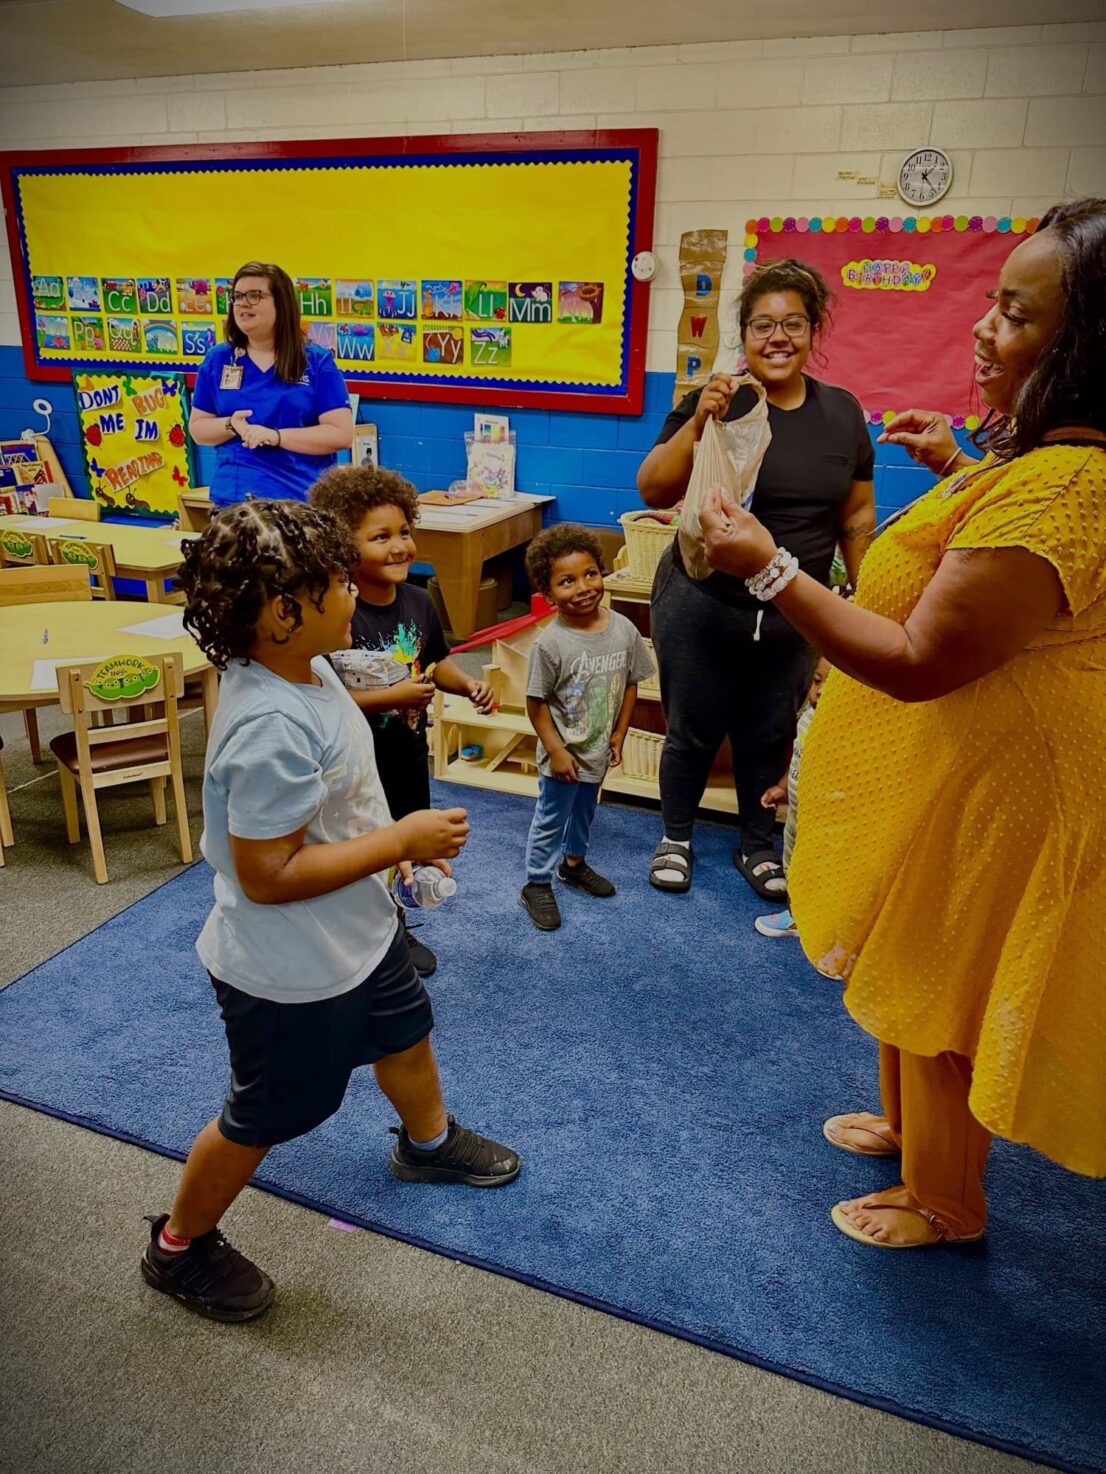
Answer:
(211, 696)
(155, 590)
(458, 567)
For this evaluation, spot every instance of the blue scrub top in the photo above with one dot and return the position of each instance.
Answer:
(268, 471)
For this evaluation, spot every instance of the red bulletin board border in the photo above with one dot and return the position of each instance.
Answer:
(763, 241)
(644, 140)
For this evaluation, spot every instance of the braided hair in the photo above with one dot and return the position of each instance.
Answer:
(249, 554)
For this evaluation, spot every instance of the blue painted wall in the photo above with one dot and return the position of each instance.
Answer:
(588, 462)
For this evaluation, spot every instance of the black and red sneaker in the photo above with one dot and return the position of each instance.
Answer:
(209, 1277)
(464, 1156)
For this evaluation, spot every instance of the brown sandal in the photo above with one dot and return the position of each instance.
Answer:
(885, 1148)
(942, 1235)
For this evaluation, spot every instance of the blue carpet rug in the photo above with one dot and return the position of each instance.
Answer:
(664, 1072)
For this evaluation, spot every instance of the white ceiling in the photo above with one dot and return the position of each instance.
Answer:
(80, 40)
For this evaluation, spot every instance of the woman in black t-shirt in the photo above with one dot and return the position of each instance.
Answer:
(730, 666)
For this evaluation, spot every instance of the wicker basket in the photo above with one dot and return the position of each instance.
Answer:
(641, 754)
(646, 540)
(650, 688)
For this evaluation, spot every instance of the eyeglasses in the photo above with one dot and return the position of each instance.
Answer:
(794, 325)
(252, 297)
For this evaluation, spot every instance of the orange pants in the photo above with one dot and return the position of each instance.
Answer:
(944, 1148)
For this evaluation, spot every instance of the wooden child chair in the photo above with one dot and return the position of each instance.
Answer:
(73, 508)
(19, 549)
(6, 835)
(98, 558)
(44, 585)
(92, 758)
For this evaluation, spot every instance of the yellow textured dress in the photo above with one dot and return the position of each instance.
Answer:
(950, 864)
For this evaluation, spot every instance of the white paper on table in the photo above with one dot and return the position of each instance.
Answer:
(44, 673)
(39, 524)
(452, 514)
(164, 627)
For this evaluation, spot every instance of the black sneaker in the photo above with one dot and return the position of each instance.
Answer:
(464, 1156)
(209, 1277)
(423, 960)
(541, 904)
(584, 878)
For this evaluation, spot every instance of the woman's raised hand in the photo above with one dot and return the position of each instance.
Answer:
(925, 436)
(734, 541)
(714, 400)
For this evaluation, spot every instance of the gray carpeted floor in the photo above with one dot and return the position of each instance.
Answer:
(376, 1356)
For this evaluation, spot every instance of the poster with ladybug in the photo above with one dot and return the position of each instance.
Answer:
(136, 445)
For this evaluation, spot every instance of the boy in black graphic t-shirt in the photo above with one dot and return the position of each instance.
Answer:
(397, 619)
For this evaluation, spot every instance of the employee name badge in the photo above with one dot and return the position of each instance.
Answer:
(231, 377)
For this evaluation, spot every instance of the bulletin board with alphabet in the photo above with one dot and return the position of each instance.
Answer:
(479, 269)
(134, 430)
(907, 292)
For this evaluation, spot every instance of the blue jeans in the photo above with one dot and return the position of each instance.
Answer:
(560, 826)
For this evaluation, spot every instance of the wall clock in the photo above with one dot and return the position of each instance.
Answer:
(925, 175)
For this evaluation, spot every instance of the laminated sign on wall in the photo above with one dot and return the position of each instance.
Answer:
(134, 430)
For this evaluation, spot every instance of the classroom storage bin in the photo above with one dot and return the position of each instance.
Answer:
(641, 754)
(646, 540)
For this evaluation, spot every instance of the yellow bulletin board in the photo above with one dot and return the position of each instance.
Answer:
(475, 269)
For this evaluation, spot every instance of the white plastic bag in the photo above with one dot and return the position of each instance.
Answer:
(728, 454)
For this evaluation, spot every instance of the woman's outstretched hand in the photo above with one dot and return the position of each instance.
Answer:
(734, 541)
(925, 436)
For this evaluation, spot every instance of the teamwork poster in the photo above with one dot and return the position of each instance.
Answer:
(135, 439)
(488, 270)
(907, 293)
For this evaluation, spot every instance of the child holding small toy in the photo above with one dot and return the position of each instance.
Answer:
(379, 509)
(310, 970)
(581, 686)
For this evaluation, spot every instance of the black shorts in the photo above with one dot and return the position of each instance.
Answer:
(290, 1063)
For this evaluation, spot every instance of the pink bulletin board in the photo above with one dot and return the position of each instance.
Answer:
(908, 291)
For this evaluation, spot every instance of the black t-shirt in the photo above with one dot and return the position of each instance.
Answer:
(410, 631)
(816, 453)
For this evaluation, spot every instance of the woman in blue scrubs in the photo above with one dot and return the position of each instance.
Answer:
(275, 407)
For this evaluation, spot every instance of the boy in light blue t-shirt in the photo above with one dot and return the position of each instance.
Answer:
(310, 969)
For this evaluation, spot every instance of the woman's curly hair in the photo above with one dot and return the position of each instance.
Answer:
(349, 492)
(1067, 384)
(558, 542)
(788, 275)
(249, 554)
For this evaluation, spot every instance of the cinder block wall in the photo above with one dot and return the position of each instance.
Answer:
(746, 129)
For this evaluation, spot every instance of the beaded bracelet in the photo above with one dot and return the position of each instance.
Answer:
(774, 577)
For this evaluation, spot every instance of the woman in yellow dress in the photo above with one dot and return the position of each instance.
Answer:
(951, 858)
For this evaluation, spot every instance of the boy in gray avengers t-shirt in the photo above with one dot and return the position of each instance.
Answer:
(581, 686)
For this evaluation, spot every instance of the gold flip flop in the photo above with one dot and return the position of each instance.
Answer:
(886, 1149)
(942, 1235)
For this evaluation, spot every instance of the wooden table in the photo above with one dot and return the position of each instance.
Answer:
(195, 508)
(457, 541)
(86, 630)
(149, 554)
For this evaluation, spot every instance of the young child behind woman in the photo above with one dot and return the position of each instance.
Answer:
(581, 686)
(310, 970)
(786, 791)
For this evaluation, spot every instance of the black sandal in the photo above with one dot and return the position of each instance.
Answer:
(770, 868)
(669, 855)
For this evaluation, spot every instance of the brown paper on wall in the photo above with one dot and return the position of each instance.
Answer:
(702, 258)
